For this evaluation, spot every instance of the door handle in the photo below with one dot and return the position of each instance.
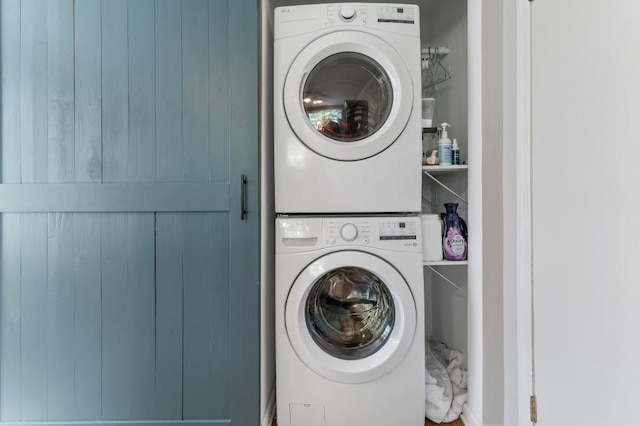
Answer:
(243, 197)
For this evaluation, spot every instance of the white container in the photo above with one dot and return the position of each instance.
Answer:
(428, 105)
(431, 237)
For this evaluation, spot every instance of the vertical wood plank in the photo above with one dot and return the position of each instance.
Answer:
(140, 302)
(115, 91)
(195, 84)
(219, 359)
(10, 76)
(10, 318)
(60, 318)
(142, 99)
(10, 239)
(60, 91)
(169, 90)
(88, 313)
(243, 119)
(34, 317)
(128, 297)
(33, 90)
(219, 90)
(116, 394)
(169, 311)
(198, 387)
(88, 91)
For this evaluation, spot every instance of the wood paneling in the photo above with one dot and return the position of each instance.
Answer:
(195, 86)
(168, 60)
(88, 91)
(10, 78)
(115, 211)
(169, 314)
(87, 255)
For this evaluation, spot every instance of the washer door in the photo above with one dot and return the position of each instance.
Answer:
(348, 95)
(350, 317)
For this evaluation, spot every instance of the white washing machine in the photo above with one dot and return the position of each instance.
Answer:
(347, 108)
(349, 321)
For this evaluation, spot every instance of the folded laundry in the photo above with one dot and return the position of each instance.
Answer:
(445, 383)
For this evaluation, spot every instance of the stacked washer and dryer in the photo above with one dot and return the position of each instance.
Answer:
(347, 165)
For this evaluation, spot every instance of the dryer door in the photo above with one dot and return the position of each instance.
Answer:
(351, 317)
(348, 95)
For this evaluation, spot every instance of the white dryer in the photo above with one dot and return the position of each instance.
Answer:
(347, 125)
(349, 321)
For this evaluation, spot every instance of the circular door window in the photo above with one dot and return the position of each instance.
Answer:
(348, 95)
(350, 313)
(350, 316)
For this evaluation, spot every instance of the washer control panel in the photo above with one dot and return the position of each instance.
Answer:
(345, 231)
(393, 233)
(302, 234)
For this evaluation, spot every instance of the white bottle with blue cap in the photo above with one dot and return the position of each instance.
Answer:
(444, 146)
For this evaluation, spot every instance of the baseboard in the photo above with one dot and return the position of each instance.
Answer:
(469, 418)
(270, 411)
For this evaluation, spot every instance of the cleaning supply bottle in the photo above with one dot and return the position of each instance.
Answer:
(455, 153)
(454, 240)
(444, 146)
(433, 159)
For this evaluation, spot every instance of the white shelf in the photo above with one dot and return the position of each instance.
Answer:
(445, 169)
(446, 263)
(432, 171)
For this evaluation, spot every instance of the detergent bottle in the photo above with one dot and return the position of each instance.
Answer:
(454, 240)
(444, 146)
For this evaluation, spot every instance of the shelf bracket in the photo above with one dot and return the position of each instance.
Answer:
(445, 187)
(445, 278)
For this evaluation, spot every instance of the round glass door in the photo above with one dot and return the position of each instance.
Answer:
(350, 313)
(347, 97)
(350, 316)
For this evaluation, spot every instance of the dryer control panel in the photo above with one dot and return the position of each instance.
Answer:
(364, 13)
(305, 19)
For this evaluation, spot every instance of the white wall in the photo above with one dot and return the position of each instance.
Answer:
(509, 219)
(492, 190)
(585, 205)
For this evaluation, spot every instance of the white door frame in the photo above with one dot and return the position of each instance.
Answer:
(524, 255)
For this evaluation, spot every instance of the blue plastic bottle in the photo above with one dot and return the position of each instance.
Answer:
(454, 240)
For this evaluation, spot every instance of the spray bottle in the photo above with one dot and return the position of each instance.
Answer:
(444, 146)
(455, 153)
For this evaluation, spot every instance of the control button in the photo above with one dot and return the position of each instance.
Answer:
(349, 232)
(332, 241)
(347, 13)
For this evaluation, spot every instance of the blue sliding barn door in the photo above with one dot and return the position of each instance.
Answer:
(128, 279)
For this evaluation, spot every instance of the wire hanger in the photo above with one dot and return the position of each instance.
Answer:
(434, 72)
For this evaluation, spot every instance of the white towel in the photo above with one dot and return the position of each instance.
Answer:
(445, 387)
